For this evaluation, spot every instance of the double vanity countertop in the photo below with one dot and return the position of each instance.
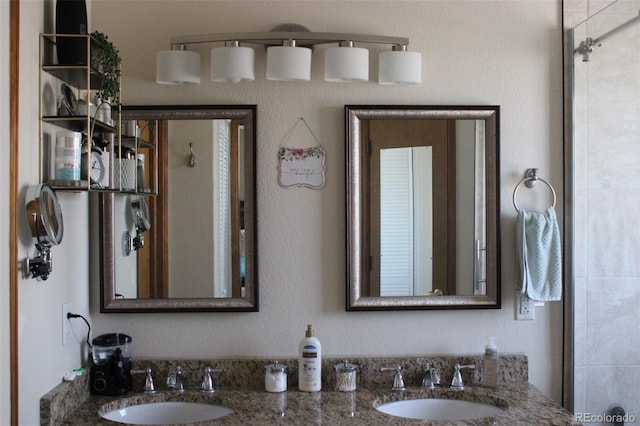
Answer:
(240, 387)
(525, 405)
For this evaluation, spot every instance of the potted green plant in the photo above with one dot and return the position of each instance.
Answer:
(107, 60)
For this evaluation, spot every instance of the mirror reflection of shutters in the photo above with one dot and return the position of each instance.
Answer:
(396, 222)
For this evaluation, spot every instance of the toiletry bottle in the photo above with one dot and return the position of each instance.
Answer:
(309, 363)
(491, 363)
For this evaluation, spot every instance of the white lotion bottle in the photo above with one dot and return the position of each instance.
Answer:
(310, 363)
(491, 364)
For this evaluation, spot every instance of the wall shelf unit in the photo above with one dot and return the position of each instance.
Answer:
(82, 147)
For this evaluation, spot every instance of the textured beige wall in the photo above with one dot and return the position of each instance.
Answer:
(506, 53)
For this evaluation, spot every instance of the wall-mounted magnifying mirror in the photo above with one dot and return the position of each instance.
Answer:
(199, 251)
(422, 207)
(44, 216)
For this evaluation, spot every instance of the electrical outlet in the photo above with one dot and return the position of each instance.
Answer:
(67, 332)
(524, 308)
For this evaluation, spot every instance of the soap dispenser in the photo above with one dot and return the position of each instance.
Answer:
(309, 362)
(491, 363)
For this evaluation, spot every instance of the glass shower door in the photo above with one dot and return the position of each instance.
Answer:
(603, 212)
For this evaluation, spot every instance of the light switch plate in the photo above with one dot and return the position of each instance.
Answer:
(67, 333)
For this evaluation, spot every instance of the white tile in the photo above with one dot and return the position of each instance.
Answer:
(611, 67)
(613, 232)
(574, 12)
(579, 390)
(613, 334)
(596, 5)
(613, 152)
(580, 321)
(609, 385)
(580, 233)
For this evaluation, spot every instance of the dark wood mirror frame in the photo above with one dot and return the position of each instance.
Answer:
(357, 299)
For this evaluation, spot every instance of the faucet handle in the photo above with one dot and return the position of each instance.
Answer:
(207, 384)
(149, 386)
(398, 380)
(456, 381)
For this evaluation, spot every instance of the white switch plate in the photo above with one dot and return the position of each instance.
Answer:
(67, 333)
(524, 308)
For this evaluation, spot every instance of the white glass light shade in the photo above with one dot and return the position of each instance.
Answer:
(177, 67)
(231, 64)
(400, 67)
(288, 63)
(346, 64)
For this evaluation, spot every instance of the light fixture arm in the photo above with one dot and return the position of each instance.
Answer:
(275, 38)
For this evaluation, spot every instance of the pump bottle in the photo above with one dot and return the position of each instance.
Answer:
(491, 363)
(310, 362)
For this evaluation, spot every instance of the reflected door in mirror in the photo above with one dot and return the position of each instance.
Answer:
(411, 242)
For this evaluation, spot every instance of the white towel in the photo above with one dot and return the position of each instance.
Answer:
(539, 255)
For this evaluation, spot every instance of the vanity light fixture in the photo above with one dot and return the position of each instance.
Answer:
(346, 63)
(289, 49)
(288, 62)
(232, 63)
(177, 66)
(399, 66)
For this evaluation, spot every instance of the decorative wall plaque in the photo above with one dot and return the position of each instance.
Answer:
(301, 167)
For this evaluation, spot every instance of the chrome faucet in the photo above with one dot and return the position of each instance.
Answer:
(149, 386)
(456, 381)
(175, 380)
(431, 377)
(398, 380)
(207, 384)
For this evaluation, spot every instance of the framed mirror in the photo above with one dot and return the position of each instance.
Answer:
(422, 207)
(196, 249)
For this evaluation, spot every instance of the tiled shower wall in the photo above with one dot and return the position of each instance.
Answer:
(606, 210)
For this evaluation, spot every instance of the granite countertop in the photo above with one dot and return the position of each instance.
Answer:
(240, 387)
(525, 405)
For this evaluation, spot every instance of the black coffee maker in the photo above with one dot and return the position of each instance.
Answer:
(110, 372)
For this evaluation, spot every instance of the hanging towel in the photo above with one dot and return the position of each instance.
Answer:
(539, 255)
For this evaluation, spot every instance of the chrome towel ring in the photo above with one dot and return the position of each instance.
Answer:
(531, 178)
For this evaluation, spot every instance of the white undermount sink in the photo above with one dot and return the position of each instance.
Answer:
(439, 409)
(163, 413)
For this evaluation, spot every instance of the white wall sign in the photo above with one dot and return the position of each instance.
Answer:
(301, 167)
